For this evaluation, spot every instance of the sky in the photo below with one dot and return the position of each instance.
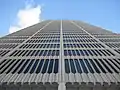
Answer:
(18, 14)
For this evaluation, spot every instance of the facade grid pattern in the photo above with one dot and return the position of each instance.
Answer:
(60, 55)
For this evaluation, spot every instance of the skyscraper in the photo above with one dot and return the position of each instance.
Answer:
(60, 55)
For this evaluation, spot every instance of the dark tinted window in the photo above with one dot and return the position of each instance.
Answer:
(83, 66)
(67, 69)
(40, 66)
(72, 66)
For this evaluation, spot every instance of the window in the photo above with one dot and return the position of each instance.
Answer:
(50, 66)
(94, 52)
(30, 51)
(36, 54)
(23, 54)
(67, 69)
(41, 52)
(2, 62)
(105, 65)
(65, 52)
(18, 66)
(78, 66)
(90, 52)
(57, 52)
(33, 52)
(78, 53)
(23, 66)
(111, 52)
(73, 52)
(114, 62)
(34, 66)
(7, 66)
(48, 45)
(89, 66)
(85, 51)
(56, 66)
(111, 66)
(45, 66)
(53, 52)
(28, 67)
(49, 52)
(83, 66)
(81, 52)
(45, 52)
(51, 45)
(40, 66)
(100, 66)
(95, 67)
(72, 66)
(58, 45)
(69, 52)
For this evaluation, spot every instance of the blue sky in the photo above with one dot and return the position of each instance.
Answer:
(103, 13)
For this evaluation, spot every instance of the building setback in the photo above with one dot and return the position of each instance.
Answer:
(60, 55)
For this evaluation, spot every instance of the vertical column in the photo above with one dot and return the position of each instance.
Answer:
(61, 63)
(62, 86)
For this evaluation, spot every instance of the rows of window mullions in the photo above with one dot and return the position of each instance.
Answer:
(39, 46)
(12, 41)
(74, 33)
(3, 52)
(45, 37)
(8, 46)
(35, 53)
(113, 45)
(44, 41)
(83, 45)
(107, 36)
(47, 34)
(102, 68)
(77, 36)
(23, 69)
(78, 40)
(110, 40)
(87, 52)
(117, 50)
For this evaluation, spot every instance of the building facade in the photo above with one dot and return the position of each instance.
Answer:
(60, 55)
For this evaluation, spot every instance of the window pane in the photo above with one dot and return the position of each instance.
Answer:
(89, 66)
(41, 52)
(72, 66)
(65, 52)
(95, 67)
(34, 66)
(78, 66)
(83, 66)
(56, 66)
(50, 66)
(100, 66)
(40, 66)
(24, 66)
(30, 64)
(67, 69)
(45, 66)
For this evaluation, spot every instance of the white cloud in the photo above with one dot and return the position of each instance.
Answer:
(26, 17)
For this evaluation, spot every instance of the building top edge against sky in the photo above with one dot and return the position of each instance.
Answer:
(22, 13)
(60, 55)
(63, 19)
